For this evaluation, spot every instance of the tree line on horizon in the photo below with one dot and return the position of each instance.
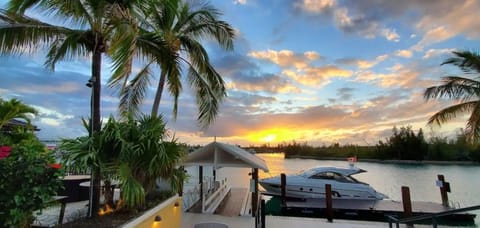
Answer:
(403, 144)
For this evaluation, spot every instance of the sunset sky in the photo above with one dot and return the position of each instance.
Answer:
(319, 72)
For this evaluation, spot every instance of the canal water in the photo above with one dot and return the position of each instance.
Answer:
(386, 178)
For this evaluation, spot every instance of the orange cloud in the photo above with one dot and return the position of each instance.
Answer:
(316, 6)
(404, 53)
(318, 75)
(286, 58)
(434, 35)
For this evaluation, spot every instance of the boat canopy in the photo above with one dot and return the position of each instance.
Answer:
(224, 155)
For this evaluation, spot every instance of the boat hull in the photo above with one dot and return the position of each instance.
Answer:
(306, 190)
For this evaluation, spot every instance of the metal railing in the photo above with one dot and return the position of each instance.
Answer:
(433, 217)
(190, 197)
(260, 214)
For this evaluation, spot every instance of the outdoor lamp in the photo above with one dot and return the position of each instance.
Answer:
(90, 82)
(158, 218)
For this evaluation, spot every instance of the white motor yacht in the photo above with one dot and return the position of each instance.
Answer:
(311, 184)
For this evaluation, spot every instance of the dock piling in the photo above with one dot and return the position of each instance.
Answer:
(283, 183)
(255, 192)
(328, 201)
(407, 204)
(200, 181)
(444, 189)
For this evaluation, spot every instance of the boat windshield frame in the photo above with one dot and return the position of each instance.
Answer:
(330, 175)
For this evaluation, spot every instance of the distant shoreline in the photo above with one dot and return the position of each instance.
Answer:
(412, 162)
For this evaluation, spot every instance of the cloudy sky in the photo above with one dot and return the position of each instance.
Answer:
(315, 71)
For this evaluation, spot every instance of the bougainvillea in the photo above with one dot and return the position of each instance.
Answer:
(29, 178)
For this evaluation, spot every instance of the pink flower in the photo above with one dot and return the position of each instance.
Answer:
(55, 166)
(4, 151)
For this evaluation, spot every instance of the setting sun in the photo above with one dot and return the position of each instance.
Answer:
(269, 138)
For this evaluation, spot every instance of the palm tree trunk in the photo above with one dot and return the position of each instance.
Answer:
(96, 127)
(158, 95)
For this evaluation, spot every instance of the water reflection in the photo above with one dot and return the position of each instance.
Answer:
(386, 178)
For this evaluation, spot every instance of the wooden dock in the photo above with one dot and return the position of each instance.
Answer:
(234, 203)
(369, 210)
(369, 205)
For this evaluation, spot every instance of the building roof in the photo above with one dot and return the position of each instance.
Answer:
(224, 155)
(13, 123)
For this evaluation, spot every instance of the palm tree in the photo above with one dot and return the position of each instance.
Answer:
(465, 90)
(134, 151)
(169, 37)
(99, 23)
(14, 109)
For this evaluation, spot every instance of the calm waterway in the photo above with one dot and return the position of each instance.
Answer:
(386, 178)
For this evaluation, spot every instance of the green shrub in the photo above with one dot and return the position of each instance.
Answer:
(29, 179)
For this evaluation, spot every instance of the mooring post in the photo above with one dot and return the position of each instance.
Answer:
(262, 211)
(255, 192)
(180, 189)
(200, 181)
(283, 183)
(328, 201)
(444, 189)
(407, 203)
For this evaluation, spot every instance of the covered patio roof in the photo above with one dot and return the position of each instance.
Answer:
(224, 155)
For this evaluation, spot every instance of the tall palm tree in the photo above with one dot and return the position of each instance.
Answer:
(14, 109)
(465, 90)
(170, 36)
(96, 24)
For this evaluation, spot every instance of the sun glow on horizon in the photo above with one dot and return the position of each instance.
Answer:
(269, 138)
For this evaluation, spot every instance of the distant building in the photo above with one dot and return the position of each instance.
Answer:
(14, 124)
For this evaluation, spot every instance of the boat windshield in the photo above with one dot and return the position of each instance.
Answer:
(327, 175)
(306, 173)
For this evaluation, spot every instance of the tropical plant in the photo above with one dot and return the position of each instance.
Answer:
(134, 151)
(465, 90)
(28, 183)
(28, 177)
(97, 25)
(170, 37)
(14, 109)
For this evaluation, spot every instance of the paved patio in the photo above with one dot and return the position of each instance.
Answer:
(190, 219)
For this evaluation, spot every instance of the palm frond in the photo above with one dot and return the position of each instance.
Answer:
(72, 46)
(174, 73)
(454, 87)
(20, 6)
(123, 47)
(132, 95)
(207, 100)
(472, 129)
(451, 112)
(204, 23)
(468, 61)
(21, 34)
